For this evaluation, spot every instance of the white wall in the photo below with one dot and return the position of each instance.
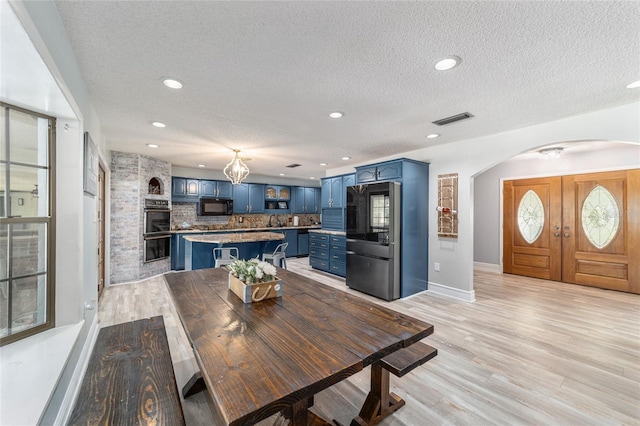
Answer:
(76, 230)
(488, 191)
(471, 157)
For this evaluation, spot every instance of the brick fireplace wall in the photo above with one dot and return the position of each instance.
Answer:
(130, 176)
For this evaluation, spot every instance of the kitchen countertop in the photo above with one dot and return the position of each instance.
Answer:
(242, 237)
(327, 231)
(273, 228)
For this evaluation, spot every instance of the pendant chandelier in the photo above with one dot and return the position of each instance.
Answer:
(236, 171)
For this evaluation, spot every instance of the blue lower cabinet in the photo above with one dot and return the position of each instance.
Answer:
(303, 244)
(327, 253)
(177, 252)
(337, 255)
(291, 237)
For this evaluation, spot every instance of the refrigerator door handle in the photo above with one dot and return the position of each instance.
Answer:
(351, 252)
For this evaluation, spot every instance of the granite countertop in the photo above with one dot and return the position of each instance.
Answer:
(242, 237)
(327, 231)
(270, 229)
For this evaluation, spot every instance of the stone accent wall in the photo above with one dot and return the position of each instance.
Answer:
(130, 175)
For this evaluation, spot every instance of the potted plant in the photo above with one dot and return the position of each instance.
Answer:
(254, 280)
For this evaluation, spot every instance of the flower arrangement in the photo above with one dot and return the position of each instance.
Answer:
(252, 271)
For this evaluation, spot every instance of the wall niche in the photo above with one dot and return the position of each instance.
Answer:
(155, 186)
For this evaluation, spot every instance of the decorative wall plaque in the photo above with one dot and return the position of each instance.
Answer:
(448, 205)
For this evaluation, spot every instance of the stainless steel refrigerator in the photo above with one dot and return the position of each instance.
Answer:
(373, 239)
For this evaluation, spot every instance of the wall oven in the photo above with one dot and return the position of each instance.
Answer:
(157, 224)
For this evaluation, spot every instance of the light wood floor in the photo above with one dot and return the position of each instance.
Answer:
(528, 351)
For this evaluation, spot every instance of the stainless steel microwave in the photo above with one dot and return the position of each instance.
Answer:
(215, 207)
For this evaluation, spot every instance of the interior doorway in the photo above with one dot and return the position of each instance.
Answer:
(581, 229)
(101, 227)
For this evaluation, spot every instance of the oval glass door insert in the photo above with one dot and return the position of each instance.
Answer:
(530, 216)
(600, 217)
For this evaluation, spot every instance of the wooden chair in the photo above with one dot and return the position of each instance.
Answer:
(224, 256)
(278, 257)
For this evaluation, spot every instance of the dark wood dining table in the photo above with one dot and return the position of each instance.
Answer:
(273, 356)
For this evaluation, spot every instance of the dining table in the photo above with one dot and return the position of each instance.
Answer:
(273, 356)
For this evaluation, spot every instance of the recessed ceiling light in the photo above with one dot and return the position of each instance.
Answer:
(336, 114)
(447, 63)
(158, 124)
(323, 164)
(282, 174)
(433, 135)
(550, 153)
(152, 145)
(201, 165)
(633, 85)
(312, 177)
(172, 83)
(346, 158)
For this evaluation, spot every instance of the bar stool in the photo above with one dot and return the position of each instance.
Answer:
(224, 255)
(278, 257)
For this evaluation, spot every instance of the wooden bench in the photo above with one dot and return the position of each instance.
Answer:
(130, 378)
(381, 402)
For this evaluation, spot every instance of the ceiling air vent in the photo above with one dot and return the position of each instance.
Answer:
(292, 166)
(452, 119)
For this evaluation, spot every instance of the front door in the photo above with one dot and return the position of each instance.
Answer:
(601, 230)
(582, 229)
(532, 220)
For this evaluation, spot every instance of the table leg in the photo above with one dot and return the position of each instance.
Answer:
(299, 415)
(380, 403)
(194, 385)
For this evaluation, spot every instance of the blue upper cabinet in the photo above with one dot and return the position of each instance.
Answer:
(248, 198)
(347, 181)
(215, 189)
(183, 189)
(305, 200)
(277, 193)
(332, 192)
(390, 170)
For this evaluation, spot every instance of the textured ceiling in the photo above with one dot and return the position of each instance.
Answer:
(263, 76)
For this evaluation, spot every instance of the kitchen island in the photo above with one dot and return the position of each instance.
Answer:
(199, 248)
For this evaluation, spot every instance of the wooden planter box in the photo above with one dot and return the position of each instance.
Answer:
(255, 292)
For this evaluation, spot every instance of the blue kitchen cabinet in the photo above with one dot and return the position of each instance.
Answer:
(305, 200)
(347, 181)
(277, 193)
(184, 189)
(337, 255)
(177, 251)
(291, 237)
(332, 192)
(319, 251)
(303, 243)
(215, 189)
(248, 198)
(389, 170)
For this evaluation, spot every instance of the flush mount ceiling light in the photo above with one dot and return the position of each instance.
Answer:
(172, 83)
(336, 114)
(633, 85)
(158, 124)
(236, 171)
(448, 63)
(152, 145)
(433, 135)
(550, 153)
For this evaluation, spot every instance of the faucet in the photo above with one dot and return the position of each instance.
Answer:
(270, 218)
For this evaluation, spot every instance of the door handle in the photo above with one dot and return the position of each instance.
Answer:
(566, 235)
(556, 234)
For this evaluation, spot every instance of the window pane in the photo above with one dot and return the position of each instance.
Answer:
(28, 191)
(28, 249)
(4, 308)
(3, 141)
(530, 216)
(3, 189)
(27, 307)
(600, 217)
(4, 254)
(28, 136)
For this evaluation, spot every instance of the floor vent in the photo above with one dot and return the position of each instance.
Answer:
(294, 165)
(452, 119)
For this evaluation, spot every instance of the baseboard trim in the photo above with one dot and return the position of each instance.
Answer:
(487, 267)
(73, 390)
(451, 292)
